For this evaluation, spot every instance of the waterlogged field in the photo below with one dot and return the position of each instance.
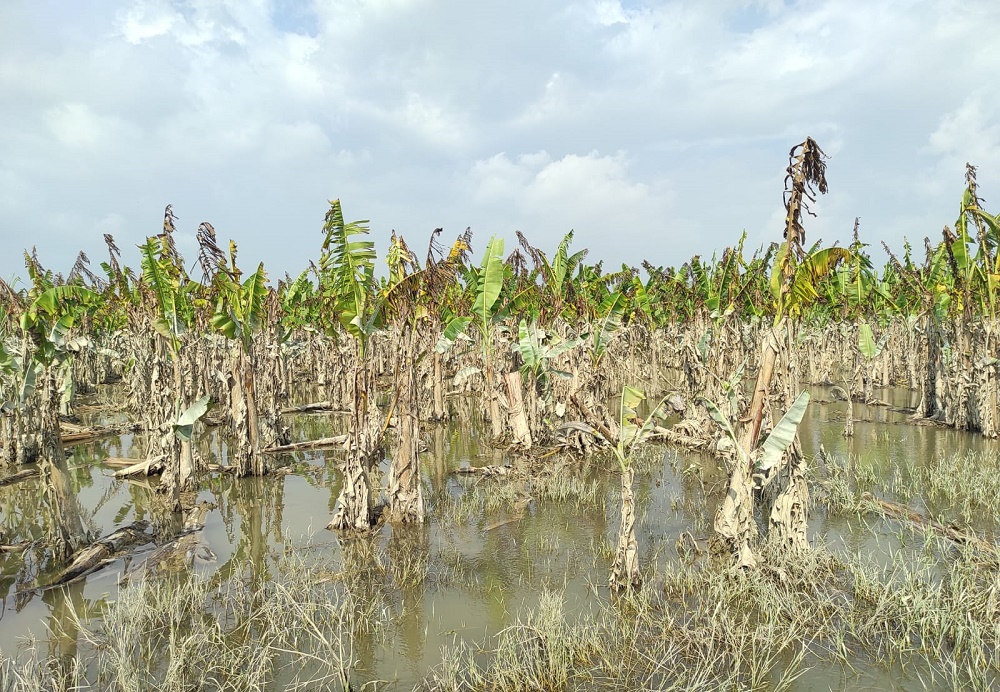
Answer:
(505, 585)
(550, 535)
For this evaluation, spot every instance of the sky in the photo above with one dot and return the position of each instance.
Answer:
(655, 130)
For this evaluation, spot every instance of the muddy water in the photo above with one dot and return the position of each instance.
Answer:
(488, 550)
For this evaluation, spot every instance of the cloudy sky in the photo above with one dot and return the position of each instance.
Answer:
(656, 130)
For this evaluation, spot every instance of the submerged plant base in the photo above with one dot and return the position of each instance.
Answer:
(802, 621)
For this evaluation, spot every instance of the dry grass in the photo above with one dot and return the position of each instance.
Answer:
(708, 628)
(184, 634)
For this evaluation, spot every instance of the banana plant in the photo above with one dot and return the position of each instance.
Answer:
(489, 284)
(734, 520)
(164, 276)
(347, 285)
(537, 350)
(632, 431)
(607, 325)
(408, 296)
(556, 274)
(48, 348)
(47, 373)
(239, 314)
(346, 275)
(795, 285)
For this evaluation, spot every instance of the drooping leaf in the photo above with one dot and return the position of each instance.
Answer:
(727, 428)
(184, 425)
(778, 271)
(464, 374)
(456, 326)
(630, 432)
(609, 322)
(782, 435)
(31, 372)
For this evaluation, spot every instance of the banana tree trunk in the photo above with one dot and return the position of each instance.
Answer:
(438, 388)
(178, 474)
(8, 439)
(496, 423)
(354, 506)
(243, 411)
(625, 569)
(734, 519)
(405, 493)
(518, 420)
(67, 532)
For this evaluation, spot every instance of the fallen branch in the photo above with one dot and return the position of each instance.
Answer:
(19, 476)
(313, 407)
(119, 462)
(14, 547)
(324, 442)
(181, 551)
(149, 467)
(485, 471)
(75, 434)
(101, 552)
(898, 511)
(597, 424)
(678, 438)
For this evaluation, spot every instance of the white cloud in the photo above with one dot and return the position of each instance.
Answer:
(144, 21)
(591, 193)
(970, 132)
(77, 126)
(666, 124)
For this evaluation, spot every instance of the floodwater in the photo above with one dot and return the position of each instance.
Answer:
(489, 548)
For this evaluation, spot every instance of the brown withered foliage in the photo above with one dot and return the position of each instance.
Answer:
(806, 173)
(210, 256)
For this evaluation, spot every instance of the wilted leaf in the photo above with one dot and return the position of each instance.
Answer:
(465, 373)
(184, 425)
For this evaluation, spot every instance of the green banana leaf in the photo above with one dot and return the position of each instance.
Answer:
(782, 435)
(490, 283)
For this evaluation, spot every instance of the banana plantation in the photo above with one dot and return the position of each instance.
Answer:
(479, 467)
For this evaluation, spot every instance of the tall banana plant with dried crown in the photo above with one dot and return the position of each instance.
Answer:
(408, 296)
(164, 277)
(795, 276)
